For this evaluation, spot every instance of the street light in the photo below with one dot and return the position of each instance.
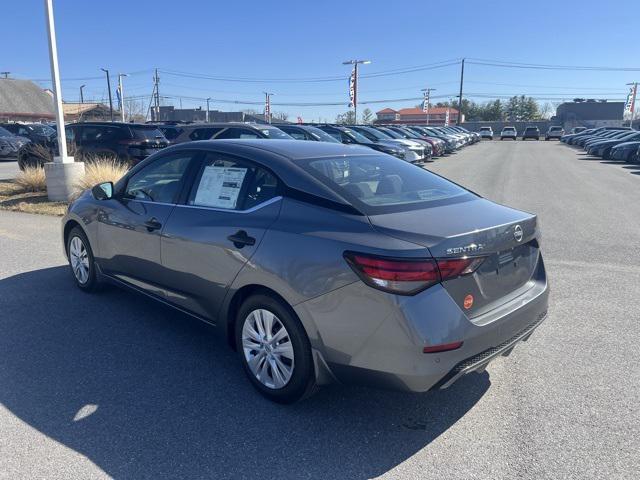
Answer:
(109, 88)
(208, 100)
(120, 75)
(355, 64)
(81, 96)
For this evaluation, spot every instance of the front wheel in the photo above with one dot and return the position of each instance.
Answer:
(274, 350)
(81, 260)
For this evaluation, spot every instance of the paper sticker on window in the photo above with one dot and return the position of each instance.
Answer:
(220, 186)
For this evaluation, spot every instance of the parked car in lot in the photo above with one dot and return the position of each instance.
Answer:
(603, 136)
(351, 137)
(38, 133)
(626, 151)
(603, 147)
(306, 132)
(317, 262)
(438, 145)
(10, 144)
(486, 132)
(414, 151)
(416, 136)
(128, 142)
(602, 132)
(509, 132)
(531, 132)
(575, 130)
(554, 132)
(225, 131)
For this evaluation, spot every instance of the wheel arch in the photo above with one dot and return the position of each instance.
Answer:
(70, 225)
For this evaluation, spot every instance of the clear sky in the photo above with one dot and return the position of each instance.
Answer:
(305, 39)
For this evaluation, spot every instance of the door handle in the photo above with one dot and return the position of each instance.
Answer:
(240, 239)
(152, 224)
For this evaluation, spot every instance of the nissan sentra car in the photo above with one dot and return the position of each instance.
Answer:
(317, 262)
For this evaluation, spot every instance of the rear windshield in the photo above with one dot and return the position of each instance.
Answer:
(377, 184)
(320, 135)
(553, 129)
(5, 133)
(147, 133)
(511, 129)
(485, 128)
(532, 128)
(273, 132)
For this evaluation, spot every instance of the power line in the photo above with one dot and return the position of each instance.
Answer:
(535, 66)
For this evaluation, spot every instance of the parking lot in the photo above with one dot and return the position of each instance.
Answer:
(93, 386)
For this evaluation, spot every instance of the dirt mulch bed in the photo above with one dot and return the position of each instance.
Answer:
(13, 197)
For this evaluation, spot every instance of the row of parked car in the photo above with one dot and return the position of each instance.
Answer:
(131, 143)
(13, 136)
(530, 132)
(609, 143)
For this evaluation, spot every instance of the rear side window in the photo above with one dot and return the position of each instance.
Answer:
(233, 132)
(230, 183)
(204, 133)
(381, 184)
(171, 133)
(99, 133)
(147, 133)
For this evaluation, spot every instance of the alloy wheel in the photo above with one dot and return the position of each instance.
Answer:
(79, 259)
(267, 348)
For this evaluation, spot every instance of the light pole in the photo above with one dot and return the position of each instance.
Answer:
(109, 88)
(632, 101)
(355, 64)
(427, 96)
(120, 75)
(81, 96)
(208, 100)
(267, 106)
(458, 121)
(63, 173)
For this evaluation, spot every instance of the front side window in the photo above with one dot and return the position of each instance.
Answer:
(381, 184)
(160, 181)
(204, 133)
(234, 132)
(230, 183)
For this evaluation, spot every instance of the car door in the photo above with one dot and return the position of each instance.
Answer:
(212, 235)
(131, 223)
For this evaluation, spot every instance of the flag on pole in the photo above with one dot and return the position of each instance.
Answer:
(267, 109)
(425, 103)
(299, 119)
(119, 98)
(352, 89)
(629, 105)
(446, 118)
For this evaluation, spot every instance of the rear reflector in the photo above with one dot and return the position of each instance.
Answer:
(408, 276)
(444, 347)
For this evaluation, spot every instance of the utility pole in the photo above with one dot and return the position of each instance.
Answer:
(81, 96)
(109, 88)
(460, 96)
(355, 64)
(267, 106)
(427, 97)
(208, 100)
(120, 75)
(156, 81)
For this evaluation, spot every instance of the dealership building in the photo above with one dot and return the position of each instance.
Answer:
(417, 116)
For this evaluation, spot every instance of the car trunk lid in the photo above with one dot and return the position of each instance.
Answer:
(506, 237)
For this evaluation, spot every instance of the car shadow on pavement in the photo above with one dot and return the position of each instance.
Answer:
(145, 392)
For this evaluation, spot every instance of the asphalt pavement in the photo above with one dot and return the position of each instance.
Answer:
(8, 168)
(113, 385)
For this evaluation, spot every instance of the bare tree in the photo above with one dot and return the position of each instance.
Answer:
(367, 116)
(135, 110)
(283, 116)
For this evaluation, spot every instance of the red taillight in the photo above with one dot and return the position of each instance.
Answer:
(455, 267)
(444, 347)
(408, 276)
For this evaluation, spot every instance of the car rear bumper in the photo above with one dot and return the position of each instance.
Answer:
(369, 337)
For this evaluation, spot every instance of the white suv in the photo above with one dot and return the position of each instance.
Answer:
(486, 132)
(508, 132)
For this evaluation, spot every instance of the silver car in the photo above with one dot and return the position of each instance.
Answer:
(317, 262)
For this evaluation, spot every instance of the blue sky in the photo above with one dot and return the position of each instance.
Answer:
(263, 40)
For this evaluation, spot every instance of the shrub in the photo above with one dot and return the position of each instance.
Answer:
(33, 155)
(99, 169)
(32, 179)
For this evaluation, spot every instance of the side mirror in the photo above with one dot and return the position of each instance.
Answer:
(103, 191)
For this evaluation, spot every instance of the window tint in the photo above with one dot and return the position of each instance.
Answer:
(230, 183)
(235, 132)
(204, 133)
(99, 134)
(298, 135)
(146, 133)
(160, 181)
(170, 133)
(382, 184)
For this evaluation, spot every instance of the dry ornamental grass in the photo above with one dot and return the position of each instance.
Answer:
(32, 179)
(100, 170)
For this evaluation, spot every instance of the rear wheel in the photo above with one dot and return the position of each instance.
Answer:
(274, 350)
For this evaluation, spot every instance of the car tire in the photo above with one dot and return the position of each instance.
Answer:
(81, 260)
(266, 369)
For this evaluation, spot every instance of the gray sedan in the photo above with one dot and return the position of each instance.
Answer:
(317, 262)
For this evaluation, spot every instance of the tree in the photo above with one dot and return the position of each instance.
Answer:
(348, 118)
(135, 110)
(367, 116)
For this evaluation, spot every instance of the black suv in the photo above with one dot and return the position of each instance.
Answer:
(531, 132)
(217, 131)
(129, 142)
